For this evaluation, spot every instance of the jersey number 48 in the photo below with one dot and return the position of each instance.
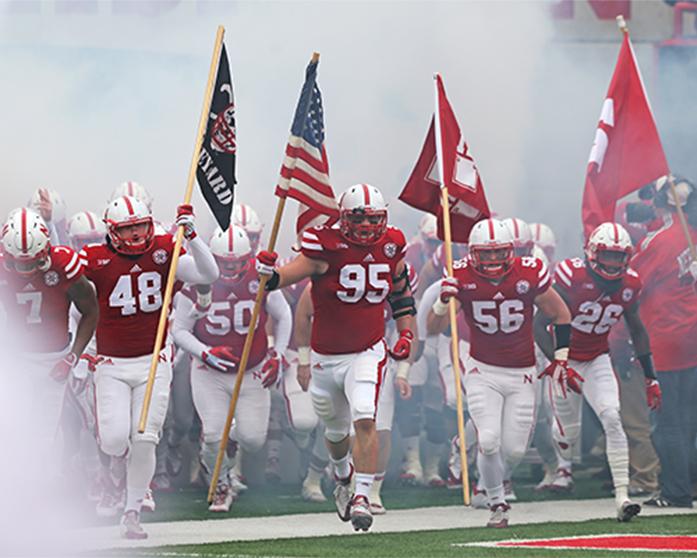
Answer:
(143, 293)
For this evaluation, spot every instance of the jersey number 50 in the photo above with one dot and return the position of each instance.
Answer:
(356, 280)
(148, 288)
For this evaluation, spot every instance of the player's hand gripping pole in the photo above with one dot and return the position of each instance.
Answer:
(247, 347)
(445, 202)
(167, 300)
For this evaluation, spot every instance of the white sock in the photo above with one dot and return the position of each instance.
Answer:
(564, 464)
(376, 486)
(342, 467)
(363, 483)
(141, 468)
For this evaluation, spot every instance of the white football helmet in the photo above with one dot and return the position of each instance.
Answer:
(58, 210)
(608, 250)
(491, 248)
(26, 242)
(129, 225)
(522, 236)
(233, 252)
(363, 214)
(85, 228)
(244, 216)
(428, 228)
(543, 236)
(133, 189)
(540, 254)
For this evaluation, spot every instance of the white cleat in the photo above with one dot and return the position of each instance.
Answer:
(360, 514)
(222, 499)
(312, 492)
(508, 491)
(627, 510)
(499, 516)
(454, 466)
(563, 481)
(546, 483)
(479, 500)
(131, 527)
(412, 473)
(376, 505)
(342, 498)
(148, 504)
(236, 482)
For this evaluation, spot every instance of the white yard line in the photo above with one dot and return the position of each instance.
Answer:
(324, 524)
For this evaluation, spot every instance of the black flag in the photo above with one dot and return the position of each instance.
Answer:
(216, 163)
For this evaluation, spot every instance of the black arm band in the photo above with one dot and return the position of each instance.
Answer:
(404, 306)
(404, 276)
(272, 283)
(646, 362)
(562, 335)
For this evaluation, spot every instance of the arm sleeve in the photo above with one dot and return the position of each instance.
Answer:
(427, 300)
(185, 317)
(200, 267)
(53, 234)
(279, 310)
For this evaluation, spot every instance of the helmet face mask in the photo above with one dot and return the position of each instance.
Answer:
(232, 269)
(130, 226)
(233, 253)
(30, 266)
(491, 250)
(608, 251)
(26, 243)
(609, 263)
(364, 226)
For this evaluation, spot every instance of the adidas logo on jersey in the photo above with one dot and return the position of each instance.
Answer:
(369, 258)
(499, 296)
(29, 287)
(136, 269)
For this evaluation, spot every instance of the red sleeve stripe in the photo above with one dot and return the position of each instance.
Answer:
(543, 271)
(544, 281)
(72, 263)
(562, 276)
(567, 270)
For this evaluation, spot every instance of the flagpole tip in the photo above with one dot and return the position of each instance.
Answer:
(315, 57)
(622, 24)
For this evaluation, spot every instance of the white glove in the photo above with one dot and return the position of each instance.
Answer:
(693, 269)
(185, 218)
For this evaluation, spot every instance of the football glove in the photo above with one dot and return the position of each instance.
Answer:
(402, 347)
(266, 262)
(654, 397)
(562, 376)
(271, 369)
(221, 358)
(185, 218)
(62, 369)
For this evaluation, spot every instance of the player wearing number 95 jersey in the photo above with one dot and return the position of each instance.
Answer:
(497, 292)
(356, 267)
(599, 291)
(129, 272)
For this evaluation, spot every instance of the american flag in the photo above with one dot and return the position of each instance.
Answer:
(305, 170)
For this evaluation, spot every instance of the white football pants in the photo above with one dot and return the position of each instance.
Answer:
(301, 416)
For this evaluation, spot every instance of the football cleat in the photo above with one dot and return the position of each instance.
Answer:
(508, 491)
(412, 473)
(148, 504)
(563, 481)
(454, 465)
(312, 492)
(546, 482)
(376, 505)
(108, 505)
(222, 499)
(236, 482)
(131, 527)
(432, 477)
(342, 496)
(479, 500)
(360, 514)
(627, 510)
(499, 516)
(161, 483)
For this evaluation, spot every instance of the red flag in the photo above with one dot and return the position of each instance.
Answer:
(468, 203)
(627, 152)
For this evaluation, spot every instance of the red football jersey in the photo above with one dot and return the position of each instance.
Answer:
(417, 254)
(227, 321)
(130, 290)
(593, 311)
(438, 258)
(500, 316)
(668, 301)
(36, 308)
(349, 299)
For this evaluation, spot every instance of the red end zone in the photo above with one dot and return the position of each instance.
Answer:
(654, 543)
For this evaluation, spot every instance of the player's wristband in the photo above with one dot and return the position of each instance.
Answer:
(646, 362)
(274, 280)
(403, 369)
(303, 356)
(439, 308)
(562, 335)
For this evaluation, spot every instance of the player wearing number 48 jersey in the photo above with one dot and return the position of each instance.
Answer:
(355, 268)
(497, 292)
(600, 290)
(129, 272)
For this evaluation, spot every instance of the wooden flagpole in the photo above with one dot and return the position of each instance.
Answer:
(451, 304)
(241, 369)
(169, 289)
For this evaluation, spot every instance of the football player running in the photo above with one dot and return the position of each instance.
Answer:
(356, 267)
(497, 293)
(599, 291)
(129, 272)
(213, 329)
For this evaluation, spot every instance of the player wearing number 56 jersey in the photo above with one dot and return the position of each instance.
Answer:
(600, 290)
(213, 328)
(497, 293)
(356, 267)
(130, 272)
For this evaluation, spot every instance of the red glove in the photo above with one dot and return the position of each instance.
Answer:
(92, 361)
(185, 218)
(266, 262)
(62, 369)
(562, 376)
(402, 347)
(271, 369)
(221, 358)
(654, 397)
(449, 287)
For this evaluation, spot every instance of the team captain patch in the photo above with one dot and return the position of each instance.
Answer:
(159, 256)
(51, 278)
(390, 249)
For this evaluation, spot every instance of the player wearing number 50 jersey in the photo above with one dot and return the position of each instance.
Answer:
(356, 267)
(497, 292)
(600, 290)
(129, 272)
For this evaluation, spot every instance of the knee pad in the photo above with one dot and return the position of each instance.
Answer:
(335, 432)
(322, 404)
(435, 426)
(363, 401)
(611, 421)
(251, 444)
(489, 443)
(113, 446)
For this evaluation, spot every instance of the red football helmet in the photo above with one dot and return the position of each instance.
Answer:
(26, 242)
(491, 248)
(232, 251)
(363, 214)
(129, 225)
(608, 250)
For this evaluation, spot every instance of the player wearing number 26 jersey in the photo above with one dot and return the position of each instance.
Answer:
(600, 290)
(129, 273)
(497, 293)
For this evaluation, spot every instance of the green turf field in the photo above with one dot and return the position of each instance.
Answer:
(435, 544)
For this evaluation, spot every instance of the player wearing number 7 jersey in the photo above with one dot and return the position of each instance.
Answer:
(599, 291)
(497, 292)
(129, 272)
(356, 267)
